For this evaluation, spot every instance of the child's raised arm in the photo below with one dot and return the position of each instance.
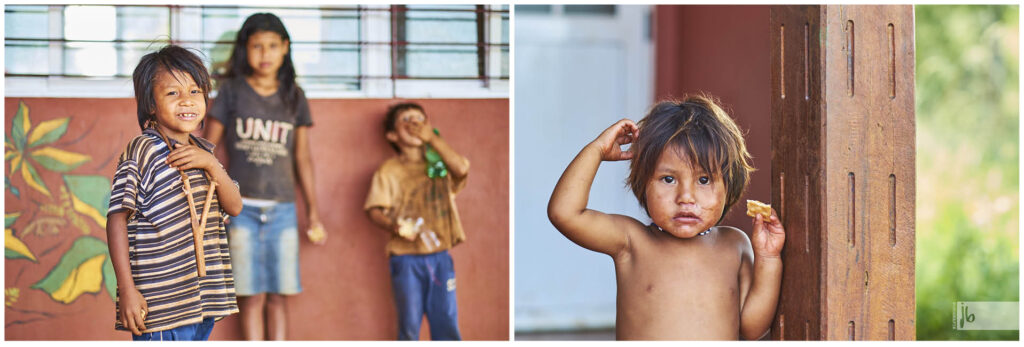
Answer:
(567, 209)
(133, 305)
(760, 294)
(457, 164)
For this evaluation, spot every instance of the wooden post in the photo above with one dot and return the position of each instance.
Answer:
(842, 115)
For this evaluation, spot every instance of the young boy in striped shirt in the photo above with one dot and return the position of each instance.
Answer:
(170, 250)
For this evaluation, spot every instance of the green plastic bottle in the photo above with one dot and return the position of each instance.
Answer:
(435, 166)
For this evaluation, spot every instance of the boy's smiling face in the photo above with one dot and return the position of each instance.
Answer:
(682, 199)
(180, 104)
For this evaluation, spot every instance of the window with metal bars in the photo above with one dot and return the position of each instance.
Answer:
(338, 51)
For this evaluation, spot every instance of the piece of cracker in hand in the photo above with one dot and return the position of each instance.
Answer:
(755, 208)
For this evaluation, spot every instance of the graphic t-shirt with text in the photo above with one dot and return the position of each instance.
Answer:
(260, 135)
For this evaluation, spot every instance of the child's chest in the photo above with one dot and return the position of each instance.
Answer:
(164, 186)
(692, 268)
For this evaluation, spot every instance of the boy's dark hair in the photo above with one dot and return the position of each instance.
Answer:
(239, 61)
(704, 132)
(170, 58)
(392, 115)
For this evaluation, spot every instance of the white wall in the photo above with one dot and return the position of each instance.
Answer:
(575, 75)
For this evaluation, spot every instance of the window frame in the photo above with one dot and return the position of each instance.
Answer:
(376, 56)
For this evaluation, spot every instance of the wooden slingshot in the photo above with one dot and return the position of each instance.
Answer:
(198, 222)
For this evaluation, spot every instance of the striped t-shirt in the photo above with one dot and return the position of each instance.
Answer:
(160, 242)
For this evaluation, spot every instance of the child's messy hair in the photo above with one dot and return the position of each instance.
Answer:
(170, 58)
(700, 129)
(392, 115)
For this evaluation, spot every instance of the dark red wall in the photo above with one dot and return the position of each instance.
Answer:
(722, 51)
(347, 291)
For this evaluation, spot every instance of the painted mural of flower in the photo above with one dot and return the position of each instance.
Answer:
(26, 142)
(85, 267)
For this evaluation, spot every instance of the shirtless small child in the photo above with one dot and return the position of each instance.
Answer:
(683, 277)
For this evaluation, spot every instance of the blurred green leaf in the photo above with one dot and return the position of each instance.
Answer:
(967, 163)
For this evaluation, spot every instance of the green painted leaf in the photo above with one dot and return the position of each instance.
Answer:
(15, 248)
(91, 195)
(84, 248)
(9, 254)
(48, 131)
(10, 218)
(58, 160)
(18, 126)
(110, 278)
(32, 178)
(13, 189)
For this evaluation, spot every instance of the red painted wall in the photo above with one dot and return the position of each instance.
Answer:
(347, 291)
(723, 51)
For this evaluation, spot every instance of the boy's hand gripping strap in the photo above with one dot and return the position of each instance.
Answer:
(198, 222)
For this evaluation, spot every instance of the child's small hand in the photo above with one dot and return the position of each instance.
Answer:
(422, 129)
(316, 234)
(133, 311)
(610, 141)
(408, 228)
(768, 236)
(408, 236)
(185, 157)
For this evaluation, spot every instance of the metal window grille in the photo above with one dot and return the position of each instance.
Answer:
(332, 46)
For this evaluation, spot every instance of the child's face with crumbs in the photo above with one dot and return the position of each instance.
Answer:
(682, 199)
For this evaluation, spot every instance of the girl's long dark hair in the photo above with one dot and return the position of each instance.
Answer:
(239, 61)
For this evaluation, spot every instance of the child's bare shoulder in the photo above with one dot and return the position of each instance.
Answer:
(626, 223)
(734, 237)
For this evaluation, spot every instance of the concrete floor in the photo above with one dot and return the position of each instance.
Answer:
(578, 335)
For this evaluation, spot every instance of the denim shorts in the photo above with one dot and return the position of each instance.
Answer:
(265, 250)
(191, 332)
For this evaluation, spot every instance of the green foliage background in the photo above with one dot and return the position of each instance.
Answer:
(967, 163)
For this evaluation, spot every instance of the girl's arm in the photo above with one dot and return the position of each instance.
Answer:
(185, 157)
(304, 169)
(567, 209)
(457, 164)
(133, 305)
(214, 130)
(759, 303)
